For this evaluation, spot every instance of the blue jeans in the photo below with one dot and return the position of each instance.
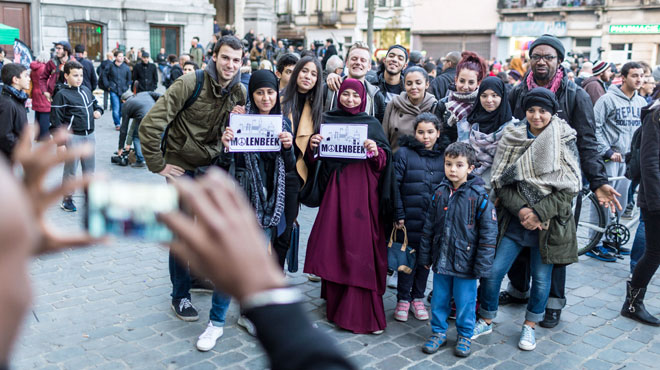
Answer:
(464, 292)
(541, 273)
(137, 146)
(639, 244)
(115, 101)
(631, 192)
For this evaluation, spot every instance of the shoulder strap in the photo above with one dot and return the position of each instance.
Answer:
(199, 83)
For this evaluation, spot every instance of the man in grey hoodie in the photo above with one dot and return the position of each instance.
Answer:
(617, 116)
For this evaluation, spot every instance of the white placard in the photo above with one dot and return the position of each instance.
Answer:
(255, 132)
(343, 140)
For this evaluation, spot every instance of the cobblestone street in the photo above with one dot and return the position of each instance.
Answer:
(108, 307)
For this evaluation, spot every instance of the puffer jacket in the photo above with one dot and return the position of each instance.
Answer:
(37, 75)
(194, 137)
(399, 118)
(418, 171)
(578, 111)
(455, 241)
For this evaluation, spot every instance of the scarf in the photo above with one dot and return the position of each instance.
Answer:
(268, 210)
(552, 86)
(20, 95)
(489, 122)
(485, 146)
(460, 105)
(538, 166)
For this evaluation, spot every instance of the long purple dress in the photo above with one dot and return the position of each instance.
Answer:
(347, 247)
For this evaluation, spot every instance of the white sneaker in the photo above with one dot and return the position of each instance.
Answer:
(207, 340)
(392, 280)
(313, 278)
(248, 325)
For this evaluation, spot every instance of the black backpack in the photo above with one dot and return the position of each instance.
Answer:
(199, 83)
(633, 168)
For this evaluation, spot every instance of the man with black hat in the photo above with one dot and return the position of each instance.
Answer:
(390, 82)
(330, 50)
(597, 84)
(146, 74)
(89, 76)
(441, 85)
(546, 53)
(53, 73)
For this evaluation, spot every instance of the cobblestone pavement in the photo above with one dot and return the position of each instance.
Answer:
(108, 307)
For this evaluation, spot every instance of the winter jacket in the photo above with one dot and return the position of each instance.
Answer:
(175, 72)
(557, 244)
(257, 56)
(375, 102)
(100, 71)
(53, 75)
(161, 59)
(399, 118)
(135, 108)
(455, 241)
(117, 79)
(146, 75)
(649, 188)
(194, 136)
(73, 108)
(577, 110)
(418, 171)
(441, 85)
(197, 54)
(39, 101)
(595, 87)
(617, 118)
(13, 118)
(89, 76)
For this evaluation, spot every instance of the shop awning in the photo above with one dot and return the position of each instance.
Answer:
(8, 34)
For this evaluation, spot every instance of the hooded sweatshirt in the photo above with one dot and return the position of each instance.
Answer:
(617, 117)
(399, 119)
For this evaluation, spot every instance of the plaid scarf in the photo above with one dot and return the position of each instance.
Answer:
(552, 86)
(538, 166)
(460, 105)
(270, 210)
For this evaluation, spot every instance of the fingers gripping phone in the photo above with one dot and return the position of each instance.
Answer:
(129, 210)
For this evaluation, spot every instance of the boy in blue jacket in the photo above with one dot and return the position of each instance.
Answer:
(458, 241)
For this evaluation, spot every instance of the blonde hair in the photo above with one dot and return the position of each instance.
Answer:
(44, 56)
(265, 64)
(358, 45)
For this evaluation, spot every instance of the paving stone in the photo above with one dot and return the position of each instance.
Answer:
(229, 358)
(393, 363)
(509, 365)
(596, 365)
(613, 355)
(629, 346)
(596, 340)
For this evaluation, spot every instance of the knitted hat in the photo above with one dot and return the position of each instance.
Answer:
(599, 67)
(541, 97)
(551, 41)
(397, 46)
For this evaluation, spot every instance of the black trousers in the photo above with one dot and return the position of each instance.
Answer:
(291, 208)
(648, 265)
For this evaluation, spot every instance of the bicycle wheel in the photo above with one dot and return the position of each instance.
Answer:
(591, 220)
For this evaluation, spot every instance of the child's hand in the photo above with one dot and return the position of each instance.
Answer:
(399, 224)
(315, 140)
(97, 114)
(286, 139)
(371, 147)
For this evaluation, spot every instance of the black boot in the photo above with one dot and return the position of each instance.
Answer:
(633, 307)
(551, 318)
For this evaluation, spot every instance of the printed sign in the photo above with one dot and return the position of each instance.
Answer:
(343, 141)
(255, 132)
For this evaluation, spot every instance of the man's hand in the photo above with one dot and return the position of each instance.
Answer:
(333, 81)
(221, 238)
(617, 157)
(607, 197)
(97, 114)
(48, 97)
(171, 171)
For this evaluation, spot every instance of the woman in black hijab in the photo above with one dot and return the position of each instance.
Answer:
(491, 113)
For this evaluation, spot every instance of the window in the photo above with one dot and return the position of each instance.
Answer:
(319, 5)
(381, 3)
(89, 35)
(396, 3)
(303, 6)
(583, 42)
(620, 53)
(350, 4)
(164, 37)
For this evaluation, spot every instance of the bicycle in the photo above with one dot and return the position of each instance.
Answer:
(590, 232)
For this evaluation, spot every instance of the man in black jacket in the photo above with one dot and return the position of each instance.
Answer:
(13, 116)
(100, 70)
(117, 79)
(546, 55)
(89, 76)
(390, 82)
(146, 74)
(134, 107)
(441, 85)
(330, 50)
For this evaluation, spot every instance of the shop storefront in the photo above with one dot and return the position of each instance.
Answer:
(633, 42)
(514, 38)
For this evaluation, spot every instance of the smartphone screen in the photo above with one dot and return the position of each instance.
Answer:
(129, 210)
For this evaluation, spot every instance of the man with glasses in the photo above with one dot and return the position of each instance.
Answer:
(546, 54)
(53, 75)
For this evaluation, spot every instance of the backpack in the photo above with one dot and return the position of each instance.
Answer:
(199, 83)
(633, 168)
(167, 76)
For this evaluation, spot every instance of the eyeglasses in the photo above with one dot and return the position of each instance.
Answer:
(547, 58)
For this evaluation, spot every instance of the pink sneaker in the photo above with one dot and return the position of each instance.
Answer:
(419, 310)
(401, 311)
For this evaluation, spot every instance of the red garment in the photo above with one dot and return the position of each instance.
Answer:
(39, 101)
(347, 247)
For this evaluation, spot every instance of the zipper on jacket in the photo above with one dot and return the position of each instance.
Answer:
(86, 104)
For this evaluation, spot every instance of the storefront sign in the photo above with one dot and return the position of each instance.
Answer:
(634, 28)
(511, 29)
(255, 132)
(343, 141)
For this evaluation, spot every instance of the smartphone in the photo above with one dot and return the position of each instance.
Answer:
(129, 210)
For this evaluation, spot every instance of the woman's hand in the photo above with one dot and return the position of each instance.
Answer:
(48, 97)
(532, 222)
(238, 109)
(372, 148)
(399, 224)
(286, 139)
(227, 137)
(315, 140)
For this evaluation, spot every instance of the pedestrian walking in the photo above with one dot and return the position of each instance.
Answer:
(146, 74)
(117, 79)
(40, 102)
(90, 79)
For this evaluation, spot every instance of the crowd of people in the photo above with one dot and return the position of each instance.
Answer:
(474, 164)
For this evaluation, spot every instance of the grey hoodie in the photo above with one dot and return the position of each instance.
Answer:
(617, 117)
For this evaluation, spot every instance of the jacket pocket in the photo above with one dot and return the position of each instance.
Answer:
(463, 254)
(193, 153)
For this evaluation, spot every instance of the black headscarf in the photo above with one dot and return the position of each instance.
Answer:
(489, 122)
(259, 79)
(541, 97)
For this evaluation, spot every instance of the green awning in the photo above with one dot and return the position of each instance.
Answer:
(8, 34)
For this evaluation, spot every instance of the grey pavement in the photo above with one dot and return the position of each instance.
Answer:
(108, 307)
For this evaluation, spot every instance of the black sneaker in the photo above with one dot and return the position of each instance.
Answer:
(602, 254)
(551, 318)
(506, 298)
(68, 205)
(184, 309)
(138, 164)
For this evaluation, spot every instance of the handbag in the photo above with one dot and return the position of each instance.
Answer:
(292, 253)
(400, 257)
